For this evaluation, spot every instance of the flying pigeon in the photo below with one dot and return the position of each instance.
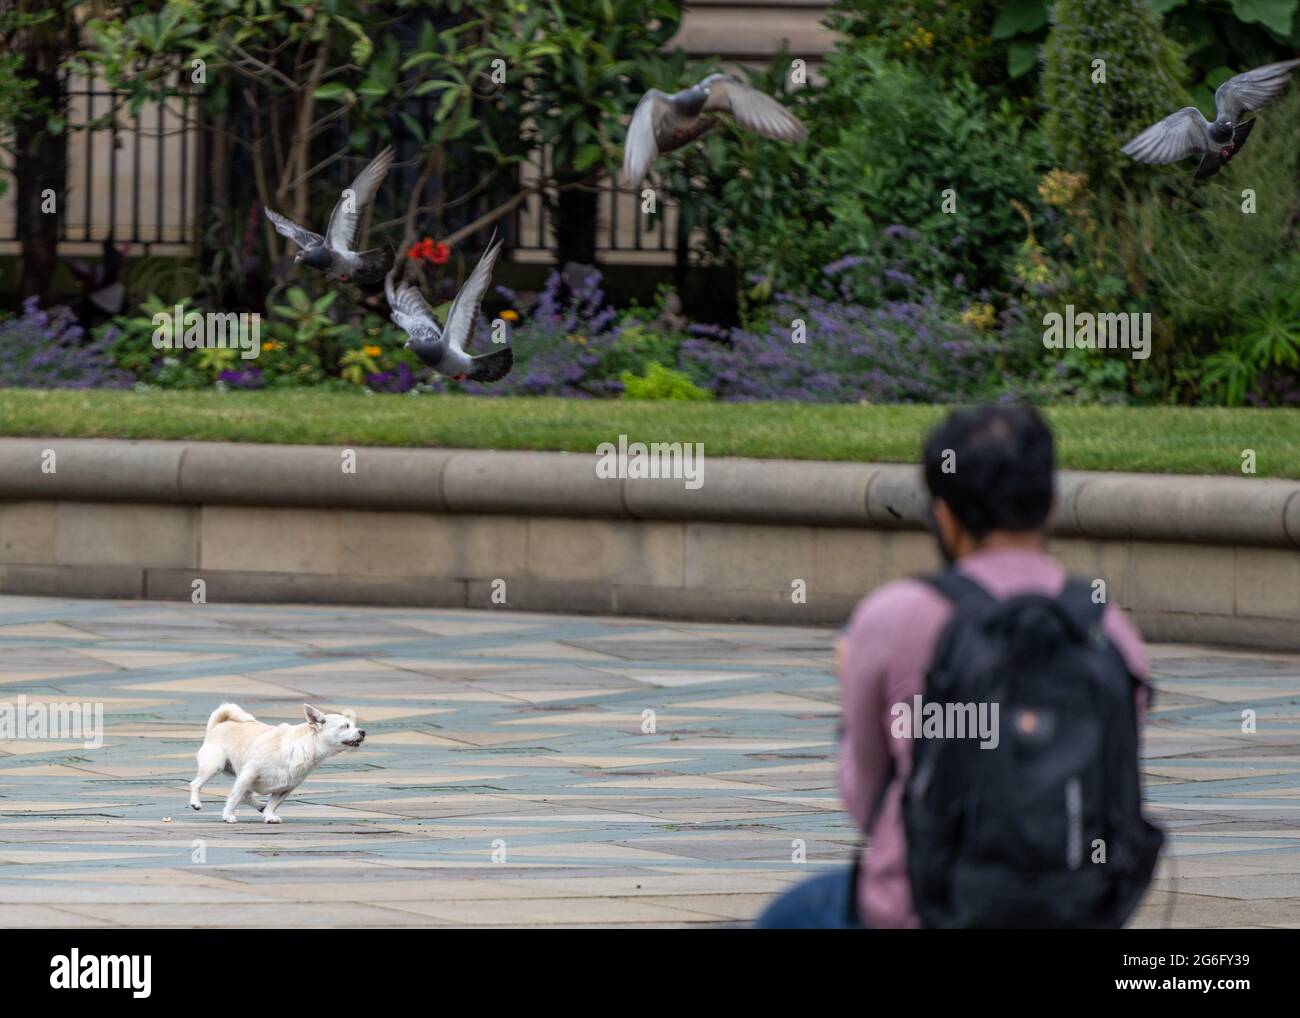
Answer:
(443, 349)
(333, 252)
(1187, 133)
(662, 123)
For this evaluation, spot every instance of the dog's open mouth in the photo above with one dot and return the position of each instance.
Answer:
(354, 743)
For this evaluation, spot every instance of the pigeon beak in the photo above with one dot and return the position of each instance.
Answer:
(297, 259)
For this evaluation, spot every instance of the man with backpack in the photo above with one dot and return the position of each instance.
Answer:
(990, 717)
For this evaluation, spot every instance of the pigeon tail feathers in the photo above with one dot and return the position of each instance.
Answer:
(374, 265)
(1239, 135)
(491, 367)
(1210, 164)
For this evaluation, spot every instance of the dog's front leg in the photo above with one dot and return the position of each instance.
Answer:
(241, 787)
(272, 804)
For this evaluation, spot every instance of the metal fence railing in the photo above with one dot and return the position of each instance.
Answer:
(137, 177)
(132, 177)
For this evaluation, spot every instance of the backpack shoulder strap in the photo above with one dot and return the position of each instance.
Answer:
(1086, 615)
(963, 592)
(1077, 602)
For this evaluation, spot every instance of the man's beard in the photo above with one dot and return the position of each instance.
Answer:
(945, 552)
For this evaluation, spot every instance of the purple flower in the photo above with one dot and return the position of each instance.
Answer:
(399, 381)
(902, 352)
(49, 350)
(840, 265)
(249, 378)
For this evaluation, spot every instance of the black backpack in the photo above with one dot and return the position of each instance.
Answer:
(1045, 830)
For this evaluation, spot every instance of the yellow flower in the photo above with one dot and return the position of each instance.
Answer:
(980, 317)
(510, 316)
(374, 351)
(1062, 188)
(270, 344)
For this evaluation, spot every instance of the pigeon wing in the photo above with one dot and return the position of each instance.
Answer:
(1252, 89)
(290, 230)
(346, 217)
(752, 109)
(640, 149)
(464, 309)
(411, 312)
(1176, 137)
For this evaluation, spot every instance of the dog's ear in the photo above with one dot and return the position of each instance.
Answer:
(351, 715)
(314, 716)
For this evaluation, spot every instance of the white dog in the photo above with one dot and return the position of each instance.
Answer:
(272, 760)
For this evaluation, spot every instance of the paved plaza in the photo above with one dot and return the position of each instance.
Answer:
(513, 774)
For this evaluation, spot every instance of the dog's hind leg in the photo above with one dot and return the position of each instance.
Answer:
(251, 799)
(243, 781)
(272, 804)
(211, 761)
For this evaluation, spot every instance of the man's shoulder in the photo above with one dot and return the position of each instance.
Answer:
(898, 603)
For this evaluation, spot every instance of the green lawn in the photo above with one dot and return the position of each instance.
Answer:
(1163, 439)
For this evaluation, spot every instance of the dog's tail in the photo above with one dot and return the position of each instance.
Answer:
(228, 712)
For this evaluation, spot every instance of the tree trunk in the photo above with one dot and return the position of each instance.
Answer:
(575, 223)
(41, 165)
(682, 253)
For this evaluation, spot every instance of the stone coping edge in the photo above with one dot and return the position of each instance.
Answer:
(1110, 506)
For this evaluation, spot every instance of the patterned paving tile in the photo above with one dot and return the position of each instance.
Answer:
(534, 770)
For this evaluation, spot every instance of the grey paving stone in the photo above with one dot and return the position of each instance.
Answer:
(511, 775)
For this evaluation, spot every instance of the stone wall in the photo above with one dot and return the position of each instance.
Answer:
(1202, 559)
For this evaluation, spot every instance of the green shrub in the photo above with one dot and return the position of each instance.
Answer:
(660, 382)
(1268, 345)
(950, 39)
(1221, 280)
(301, 344)
(864, 195)
(1087, 123)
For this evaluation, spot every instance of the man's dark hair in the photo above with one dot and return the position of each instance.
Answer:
(999, 471)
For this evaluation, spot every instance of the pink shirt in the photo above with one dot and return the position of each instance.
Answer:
(884, 654)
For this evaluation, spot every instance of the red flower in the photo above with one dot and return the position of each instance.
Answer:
(427, 251)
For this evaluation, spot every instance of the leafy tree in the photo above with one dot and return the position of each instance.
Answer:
(1108, 72)
(589, 80)
(36, 37)
(974, 38)
(1216, 34)
(277, 81)
(261, 74)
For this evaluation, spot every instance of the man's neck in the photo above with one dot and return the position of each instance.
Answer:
(1009, 540)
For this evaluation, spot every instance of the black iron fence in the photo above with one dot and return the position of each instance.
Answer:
(130, 176)
(142, 178)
